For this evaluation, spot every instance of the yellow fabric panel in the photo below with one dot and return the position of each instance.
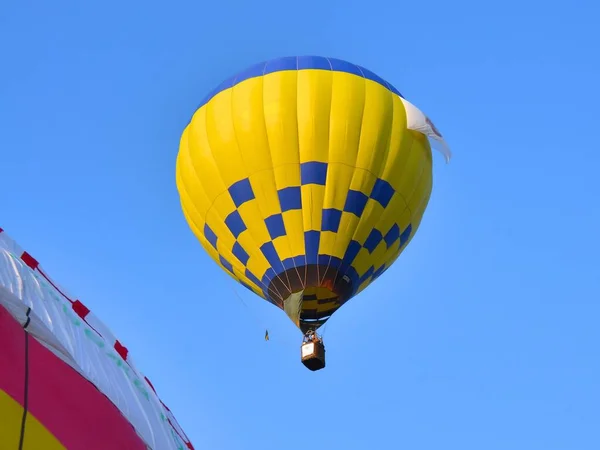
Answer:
(328, 242)
(363, 261)
(287, 175)
(265, 190)
(201, 159)
(253, 219)
(281, 119)
(362, 180)
(378, 255)
(245, 106)
(397, 154)
(347, 107)
(312, 206)
(336, 191)
(375, 129)
(222, 139)
(37, 437)
(282, 246)
(409, 174)
(313, 105)
(294, 227)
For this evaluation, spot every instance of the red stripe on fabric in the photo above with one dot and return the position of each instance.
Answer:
(12, 356)
(73, 409)
(121, 350)
(80, 309)
(30, 260)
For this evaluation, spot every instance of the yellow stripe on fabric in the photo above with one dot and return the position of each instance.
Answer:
(312, 206)
(280, 111)
(294, 228)
(378, 255)
(222, 140)
(255, 222)
(375, 128)
(348, 224)
(347, 103)
(392, 214)
(362, 263)
(412, 172)
(249, 126)
(217, 215)
(327, 243)
(322, 307)
(193, 225)
(313, 109)
(322, 292)
(267, 198)
(195, 219)
(37, 436)
(423, 171)
(309, 304)
(257, 266)
(265, 191)
(202, 164)
(425, 188)
(362, 181)
(363, 285)
(287, 175)
(397, 147)
(187, 180)
(339, 177)
(282, 247)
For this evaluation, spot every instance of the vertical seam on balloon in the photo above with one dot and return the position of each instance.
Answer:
(397, 192)
(248, 177)
(380, 170)
(416, 186)
(287, 239)
(264, 216)
(407, 205)
(300, 169)
(328, 167)
(362, 117)
(324, 187)
(384, 216)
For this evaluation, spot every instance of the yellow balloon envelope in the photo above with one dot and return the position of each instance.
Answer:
(304, 178)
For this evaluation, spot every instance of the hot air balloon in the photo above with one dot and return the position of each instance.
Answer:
(304, 178)
(66, 382)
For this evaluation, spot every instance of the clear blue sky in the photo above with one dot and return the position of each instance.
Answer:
(485, 333)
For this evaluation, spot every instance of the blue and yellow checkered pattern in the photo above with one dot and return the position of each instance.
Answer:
(300, 175)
